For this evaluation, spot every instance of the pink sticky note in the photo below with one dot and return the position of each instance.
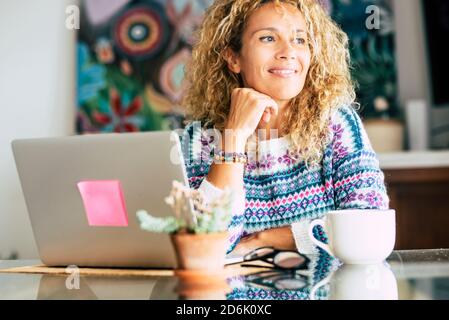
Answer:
(104, 203)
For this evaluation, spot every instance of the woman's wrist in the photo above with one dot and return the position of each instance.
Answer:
(233, 141)
(230, 157)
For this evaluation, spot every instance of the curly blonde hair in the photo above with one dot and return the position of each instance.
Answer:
(328, 84)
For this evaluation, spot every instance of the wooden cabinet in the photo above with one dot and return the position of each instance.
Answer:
(421, 199)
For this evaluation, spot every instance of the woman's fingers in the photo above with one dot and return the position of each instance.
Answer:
(270, 103)
(275, 108)
(248, 108)
(266, 117)
(270, 107)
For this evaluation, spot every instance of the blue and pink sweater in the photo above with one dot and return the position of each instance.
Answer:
(281, 191)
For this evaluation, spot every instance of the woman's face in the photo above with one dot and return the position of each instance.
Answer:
(275, 55)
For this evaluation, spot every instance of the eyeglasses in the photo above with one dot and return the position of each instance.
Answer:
(277, 259)
(278, 280)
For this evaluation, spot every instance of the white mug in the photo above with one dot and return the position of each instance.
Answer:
(358, 236)
(360, 282)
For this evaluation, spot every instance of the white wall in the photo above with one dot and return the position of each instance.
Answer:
(410, 49)
(37, 94)
(413, 69)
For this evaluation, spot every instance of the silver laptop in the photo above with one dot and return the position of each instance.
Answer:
(64, 180)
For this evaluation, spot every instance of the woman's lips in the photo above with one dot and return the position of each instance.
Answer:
(283, 72)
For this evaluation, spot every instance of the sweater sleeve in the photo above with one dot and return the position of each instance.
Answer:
(357, 178)
(198, 146)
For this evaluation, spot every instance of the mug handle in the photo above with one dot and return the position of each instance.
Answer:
(325, 247)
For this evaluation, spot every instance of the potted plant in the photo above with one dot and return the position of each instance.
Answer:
(198, 231)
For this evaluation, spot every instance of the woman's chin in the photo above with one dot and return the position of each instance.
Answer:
(279, 93)
(282, 96)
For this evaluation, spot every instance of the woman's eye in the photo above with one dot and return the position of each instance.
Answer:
(300, 40)
(267, 39)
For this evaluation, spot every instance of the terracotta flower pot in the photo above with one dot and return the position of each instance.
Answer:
(200, 251)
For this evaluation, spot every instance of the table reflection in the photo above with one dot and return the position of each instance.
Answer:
(105, 288)
(326, 278)
(417, 274)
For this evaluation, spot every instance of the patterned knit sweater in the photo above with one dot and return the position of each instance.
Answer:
(281, 191)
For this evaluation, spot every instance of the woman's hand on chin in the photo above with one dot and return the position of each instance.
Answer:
(248, 108)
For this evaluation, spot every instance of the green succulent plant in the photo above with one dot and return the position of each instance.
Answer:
(191, 213)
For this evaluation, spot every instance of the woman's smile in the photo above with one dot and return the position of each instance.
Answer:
(283, 72)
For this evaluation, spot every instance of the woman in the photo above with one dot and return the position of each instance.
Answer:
(272, 78)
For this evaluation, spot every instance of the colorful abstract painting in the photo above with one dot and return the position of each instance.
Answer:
(131, 57)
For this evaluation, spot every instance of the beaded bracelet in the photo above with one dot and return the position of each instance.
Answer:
(230, 157)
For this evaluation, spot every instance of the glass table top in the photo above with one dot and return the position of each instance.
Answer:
(406, 275)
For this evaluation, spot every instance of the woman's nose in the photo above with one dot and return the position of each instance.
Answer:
(286, 52)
